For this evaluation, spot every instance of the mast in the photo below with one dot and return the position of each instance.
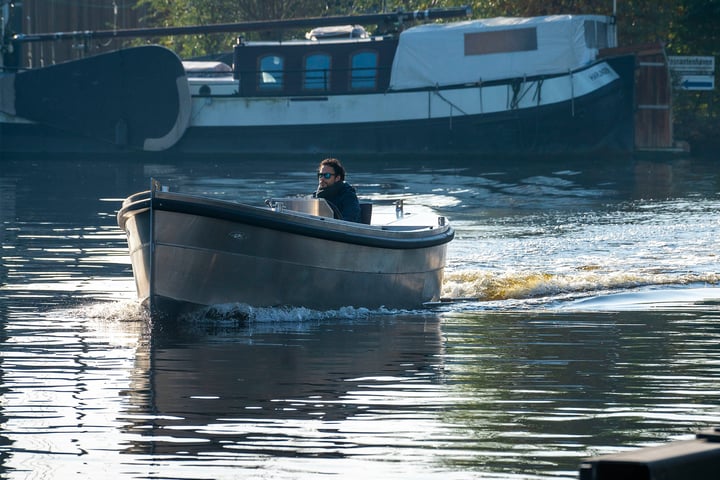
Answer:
(398, 17)
(613, 23)
(5, 44)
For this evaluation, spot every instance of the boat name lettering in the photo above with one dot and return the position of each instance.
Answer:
(599, 73)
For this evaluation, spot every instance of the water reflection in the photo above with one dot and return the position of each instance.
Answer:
(58, 227)
(447, 395)
(213, 391)
(594, 328)
(7, 216)
(61, 374)
(537, 392)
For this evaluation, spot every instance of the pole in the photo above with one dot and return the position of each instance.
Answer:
(260, 25)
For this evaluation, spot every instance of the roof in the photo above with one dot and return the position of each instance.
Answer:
(491, 49)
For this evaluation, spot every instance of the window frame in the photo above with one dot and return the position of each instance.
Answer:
(323, 76)
(277, 74)
(358, 82)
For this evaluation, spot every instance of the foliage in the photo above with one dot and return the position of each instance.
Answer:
(172, 13)
(167, 13)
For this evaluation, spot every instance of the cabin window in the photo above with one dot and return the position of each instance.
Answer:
(364, 71)
(596, 34)
(317, 72)
(502, 41)
(270, 76)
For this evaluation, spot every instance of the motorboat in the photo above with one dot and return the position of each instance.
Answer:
(420, 83)
(190, 251)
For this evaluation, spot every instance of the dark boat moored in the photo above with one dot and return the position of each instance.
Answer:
(188, 251)
(554, 84)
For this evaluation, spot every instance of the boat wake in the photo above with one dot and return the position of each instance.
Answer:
(583, 289)
(230, 314)
(481, 285)
(241, 312)
(129, 311)
(665, 298)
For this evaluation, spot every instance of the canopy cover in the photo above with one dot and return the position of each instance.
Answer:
(496, 48)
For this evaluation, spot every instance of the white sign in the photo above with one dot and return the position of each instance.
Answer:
(693, 72)
(692, 65)
(696, 82)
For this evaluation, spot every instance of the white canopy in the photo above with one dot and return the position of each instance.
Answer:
(496, 48)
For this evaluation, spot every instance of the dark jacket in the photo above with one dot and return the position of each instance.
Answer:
(342, 196)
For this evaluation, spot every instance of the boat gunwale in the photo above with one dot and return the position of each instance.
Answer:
(377, 236)
(508, 81)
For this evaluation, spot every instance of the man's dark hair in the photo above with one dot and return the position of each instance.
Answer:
(337, 167)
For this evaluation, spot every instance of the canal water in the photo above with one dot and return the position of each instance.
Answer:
(585, 321)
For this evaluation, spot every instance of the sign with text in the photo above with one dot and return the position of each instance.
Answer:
(693, 72)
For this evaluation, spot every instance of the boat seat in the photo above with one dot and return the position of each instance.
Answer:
(366, 213)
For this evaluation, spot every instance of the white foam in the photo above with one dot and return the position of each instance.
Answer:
(232, 312)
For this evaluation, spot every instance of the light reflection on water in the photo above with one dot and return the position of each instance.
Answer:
(465, 394)
(591, 327)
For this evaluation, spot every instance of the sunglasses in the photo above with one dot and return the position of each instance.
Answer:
(326, 176)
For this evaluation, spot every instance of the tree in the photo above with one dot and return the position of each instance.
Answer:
(166, 13)
(163, 13)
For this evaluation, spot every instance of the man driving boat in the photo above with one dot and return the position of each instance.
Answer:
(336, 191)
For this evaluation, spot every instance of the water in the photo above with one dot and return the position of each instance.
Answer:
(588, 325)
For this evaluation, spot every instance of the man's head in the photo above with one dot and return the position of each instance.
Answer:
(330, 171)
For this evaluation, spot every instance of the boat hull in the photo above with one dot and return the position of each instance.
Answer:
(599, 121)
(543, 116)
(536, 131)
(195, 252)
